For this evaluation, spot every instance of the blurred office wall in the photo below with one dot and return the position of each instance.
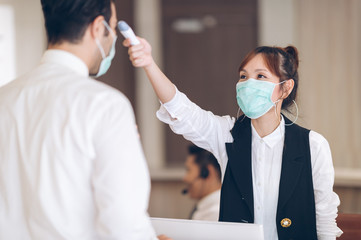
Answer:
(329, 39)
(29, 33)
(7, 44)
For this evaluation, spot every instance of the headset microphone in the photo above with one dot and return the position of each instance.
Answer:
(186, 190)
(203, 175)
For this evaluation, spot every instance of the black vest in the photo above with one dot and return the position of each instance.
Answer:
(296, 197)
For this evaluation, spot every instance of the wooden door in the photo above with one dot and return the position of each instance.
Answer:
(204, 42)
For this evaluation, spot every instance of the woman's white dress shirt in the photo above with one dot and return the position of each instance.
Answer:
(211, 132)
(71, 163)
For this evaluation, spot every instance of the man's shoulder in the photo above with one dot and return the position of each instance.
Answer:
(102, 91)
(100, 97)
(62, 83)
(68, 83)
(94, 86)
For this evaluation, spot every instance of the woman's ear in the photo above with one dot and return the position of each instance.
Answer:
(287, 88)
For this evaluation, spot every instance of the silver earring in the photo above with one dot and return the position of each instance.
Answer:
(294, 102)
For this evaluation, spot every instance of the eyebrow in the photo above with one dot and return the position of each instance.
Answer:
(261, 70)
(257, 70)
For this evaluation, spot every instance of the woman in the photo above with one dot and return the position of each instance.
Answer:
(275, 173)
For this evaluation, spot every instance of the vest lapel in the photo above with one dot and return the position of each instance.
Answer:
(240, 160)
(292, 164)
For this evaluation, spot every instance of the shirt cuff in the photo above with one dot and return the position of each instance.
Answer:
(332, 234)
(170, 111)
(329, 237)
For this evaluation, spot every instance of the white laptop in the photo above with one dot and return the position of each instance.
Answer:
(181, 229)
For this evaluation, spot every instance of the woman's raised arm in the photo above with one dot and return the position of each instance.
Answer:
(141, 56)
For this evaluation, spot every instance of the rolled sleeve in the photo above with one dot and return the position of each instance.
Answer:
(326, 199)
(201, 127)
(175, 109)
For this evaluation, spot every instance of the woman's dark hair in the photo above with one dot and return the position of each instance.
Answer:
(282, 62)
(67, 20)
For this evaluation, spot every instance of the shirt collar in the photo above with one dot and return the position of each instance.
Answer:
(209, 200)
(66, 59)
(273, 138)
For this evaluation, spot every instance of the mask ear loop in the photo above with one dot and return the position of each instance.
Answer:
(239, 109)
(98, 42)
(279, 118)
(275, 106)
(100, 48)
(289, 124)
(276, 102)
(238, 113)
(294, 102)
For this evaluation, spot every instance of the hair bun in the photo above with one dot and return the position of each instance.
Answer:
(293, 52)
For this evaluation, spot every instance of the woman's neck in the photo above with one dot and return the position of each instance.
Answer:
(266, 124)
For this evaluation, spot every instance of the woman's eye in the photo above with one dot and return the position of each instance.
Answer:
(261, 76)
(243, 77)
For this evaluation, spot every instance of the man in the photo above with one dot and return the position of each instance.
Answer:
(203, 177)
(71, 164)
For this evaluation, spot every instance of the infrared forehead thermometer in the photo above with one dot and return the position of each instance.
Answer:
(127, 32)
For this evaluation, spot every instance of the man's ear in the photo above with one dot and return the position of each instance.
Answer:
(287, 88)
(211, 170)
(97, 27)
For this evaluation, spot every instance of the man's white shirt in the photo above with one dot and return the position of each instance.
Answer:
(208, 207)
(71, 163)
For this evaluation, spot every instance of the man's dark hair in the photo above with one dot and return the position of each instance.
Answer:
(204, 158)
(67, 20)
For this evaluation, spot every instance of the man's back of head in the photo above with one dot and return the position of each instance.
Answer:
(84, 28)
(67, 20)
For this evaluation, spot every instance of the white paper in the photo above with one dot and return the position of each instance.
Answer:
(181, 229)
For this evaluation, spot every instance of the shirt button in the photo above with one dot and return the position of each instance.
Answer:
(258, 207)
(259, 184)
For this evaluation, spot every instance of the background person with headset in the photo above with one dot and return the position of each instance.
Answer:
(203, 179)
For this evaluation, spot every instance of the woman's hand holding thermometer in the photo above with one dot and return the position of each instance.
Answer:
(140, 52)
(127, 32)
